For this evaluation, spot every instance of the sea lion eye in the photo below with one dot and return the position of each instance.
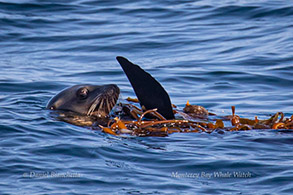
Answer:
(82, 93)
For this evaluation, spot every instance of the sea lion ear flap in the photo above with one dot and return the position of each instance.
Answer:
(148, 90)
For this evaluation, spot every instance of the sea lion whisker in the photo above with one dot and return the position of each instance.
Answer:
(108, 104)
(94, 105)
(112, 102)
(101, 104)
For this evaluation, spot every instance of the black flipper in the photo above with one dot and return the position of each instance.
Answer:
(148, 90)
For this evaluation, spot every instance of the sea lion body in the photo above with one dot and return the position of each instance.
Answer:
(98, 100)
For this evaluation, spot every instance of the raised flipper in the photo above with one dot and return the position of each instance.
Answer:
(148, 90)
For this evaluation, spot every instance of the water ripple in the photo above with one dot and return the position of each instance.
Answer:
(214, 54)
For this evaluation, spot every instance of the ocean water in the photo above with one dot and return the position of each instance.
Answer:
(212, 53)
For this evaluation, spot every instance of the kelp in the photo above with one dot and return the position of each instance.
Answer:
(156, 125)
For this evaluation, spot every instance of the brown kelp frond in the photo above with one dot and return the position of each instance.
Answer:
(157, 125)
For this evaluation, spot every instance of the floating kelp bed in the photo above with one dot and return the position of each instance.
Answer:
(193, 120)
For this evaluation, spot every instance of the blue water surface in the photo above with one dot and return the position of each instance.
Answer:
(212, 53)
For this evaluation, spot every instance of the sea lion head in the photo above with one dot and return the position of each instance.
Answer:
(90, 100)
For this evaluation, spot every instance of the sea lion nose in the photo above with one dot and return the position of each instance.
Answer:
(113, 89)
(113, 86)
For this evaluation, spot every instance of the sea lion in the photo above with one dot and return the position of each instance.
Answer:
(95, 100)
(90, 100)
